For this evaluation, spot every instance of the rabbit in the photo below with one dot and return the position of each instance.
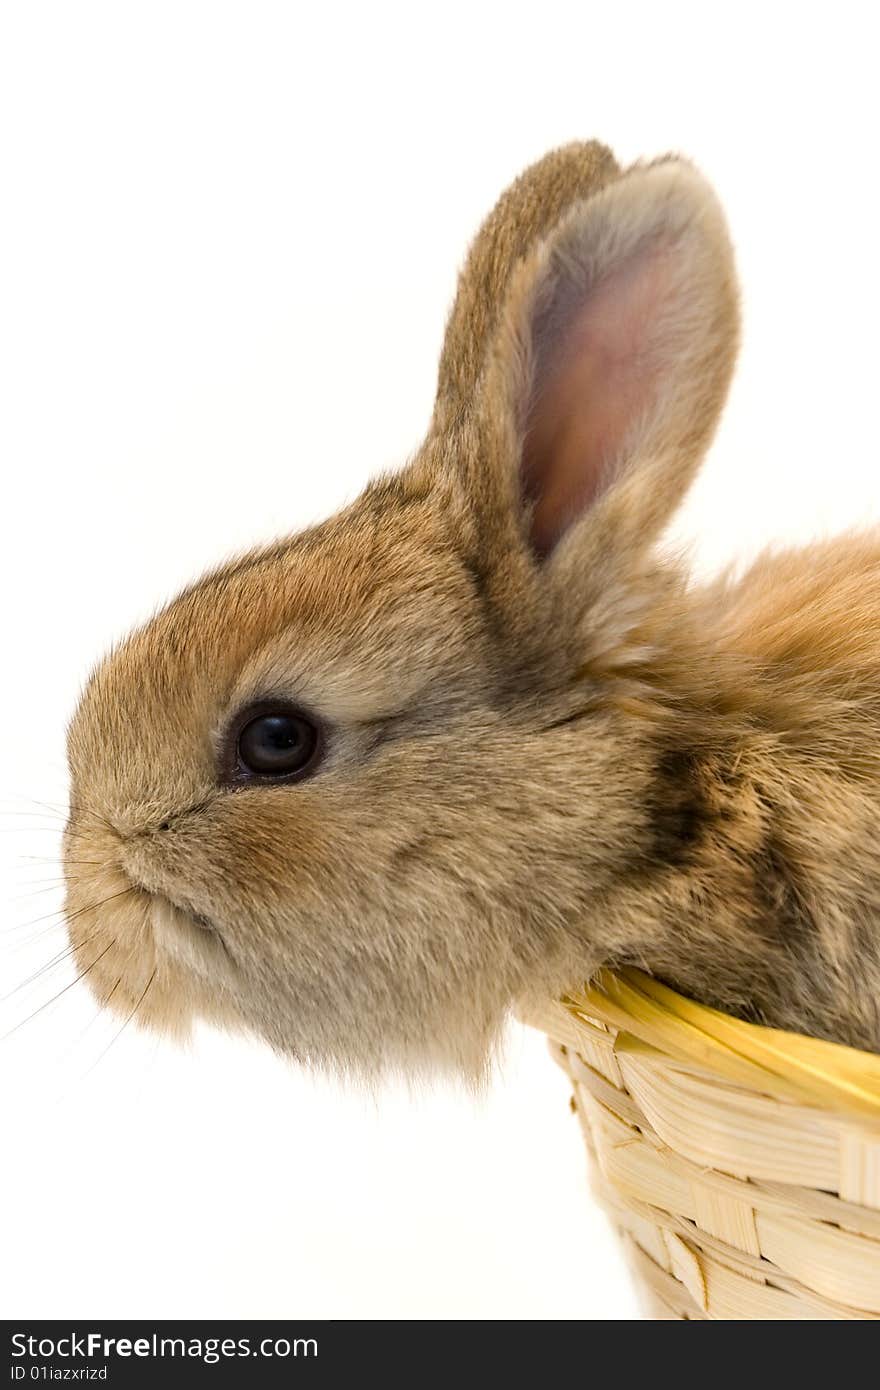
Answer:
(366, 791)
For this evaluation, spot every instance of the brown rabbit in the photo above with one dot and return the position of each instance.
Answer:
(366, 790)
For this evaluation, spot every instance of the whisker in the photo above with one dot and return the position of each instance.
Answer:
(117, 1035)
(56, 807)
(61, 877)
(57, 996)
(54, 887)
(56, 859)
(22, 943)
(45, 830)
(92, 817)
(72, 916)
(31, 830)
(99, 1013)
(19, 942)
(57, 824)
(105, 1002)
(55, 810)
(50, 965)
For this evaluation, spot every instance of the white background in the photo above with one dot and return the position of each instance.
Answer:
(229, 240)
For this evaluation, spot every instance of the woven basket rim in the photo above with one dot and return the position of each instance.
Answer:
(649, 1016)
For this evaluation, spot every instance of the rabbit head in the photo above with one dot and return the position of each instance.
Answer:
(361, 790)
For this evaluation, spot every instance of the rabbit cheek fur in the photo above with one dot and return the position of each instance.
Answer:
(545, 752)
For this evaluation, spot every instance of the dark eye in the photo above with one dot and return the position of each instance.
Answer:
(274, 743)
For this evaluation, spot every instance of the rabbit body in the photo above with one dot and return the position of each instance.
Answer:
(542, 750)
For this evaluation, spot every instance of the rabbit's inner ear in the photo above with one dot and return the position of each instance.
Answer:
(596, 373)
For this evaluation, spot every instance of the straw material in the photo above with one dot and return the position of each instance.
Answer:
(741, 1165)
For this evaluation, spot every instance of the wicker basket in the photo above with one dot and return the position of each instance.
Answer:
(740, 1165)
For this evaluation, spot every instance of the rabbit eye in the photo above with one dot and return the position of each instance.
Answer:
(274, 743)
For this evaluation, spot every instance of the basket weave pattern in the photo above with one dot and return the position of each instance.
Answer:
(735, 1199)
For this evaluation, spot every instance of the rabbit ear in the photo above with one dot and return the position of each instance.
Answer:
(609, 368)
(524, 214)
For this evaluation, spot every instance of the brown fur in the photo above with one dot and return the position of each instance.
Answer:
(547, 751)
